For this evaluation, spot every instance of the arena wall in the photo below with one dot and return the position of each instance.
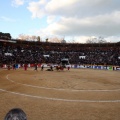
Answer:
(75, 66)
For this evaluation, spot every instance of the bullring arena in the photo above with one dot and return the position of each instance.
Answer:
(78, 94)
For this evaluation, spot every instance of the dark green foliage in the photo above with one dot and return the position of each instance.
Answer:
(5, 36)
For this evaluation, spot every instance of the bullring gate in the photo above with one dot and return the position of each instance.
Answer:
(65, 62)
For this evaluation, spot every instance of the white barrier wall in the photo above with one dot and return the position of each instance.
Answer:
(75, 66)
(101, 67)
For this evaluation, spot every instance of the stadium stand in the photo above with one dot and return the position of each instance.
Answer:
(17, 51)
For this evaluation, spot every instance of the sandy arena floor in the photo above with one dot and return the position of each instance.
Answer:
(78, 94)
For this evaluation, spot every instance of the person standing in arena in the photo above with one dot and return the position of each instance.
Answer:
(51, 68)
(35, 67)
(68, 67)
(42, 67)
(25, 67)
(8, 66)
(14, 66)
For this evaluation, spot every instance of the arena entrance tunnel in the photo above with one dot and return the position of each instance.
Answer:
(65, 62)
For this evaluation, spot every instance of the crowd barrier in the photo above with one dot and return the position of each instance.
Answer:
(75, 66)
(100, 67)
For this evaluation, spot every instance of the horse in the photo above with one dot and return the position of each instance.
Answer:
(59, 68)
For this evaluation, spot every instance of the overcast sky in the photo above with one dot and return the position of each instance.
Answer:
(69, 19)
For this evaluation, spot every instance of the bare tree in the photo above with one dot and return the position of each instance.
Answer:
(21, 37)
(96, 40)
(27, 37)
(33, 37)
(46, 39)
(55, 39)
(63, 41)
(91, 40)
(101, 40)
(38, 38)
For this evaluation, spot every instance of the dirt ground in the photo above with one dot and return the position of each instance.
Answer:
(78, 94)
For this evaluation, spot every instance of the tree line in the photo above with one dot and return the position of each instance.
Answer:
(5, 36)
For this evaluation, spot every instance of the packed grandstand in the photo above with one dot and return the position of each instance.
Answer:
(30, 52)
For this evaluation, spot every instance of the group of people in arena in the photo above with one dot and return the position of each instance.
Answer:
(31, 54)
(51, 67)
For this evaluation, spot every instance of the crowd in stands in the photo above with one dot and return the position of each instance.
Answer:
(35, 54)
